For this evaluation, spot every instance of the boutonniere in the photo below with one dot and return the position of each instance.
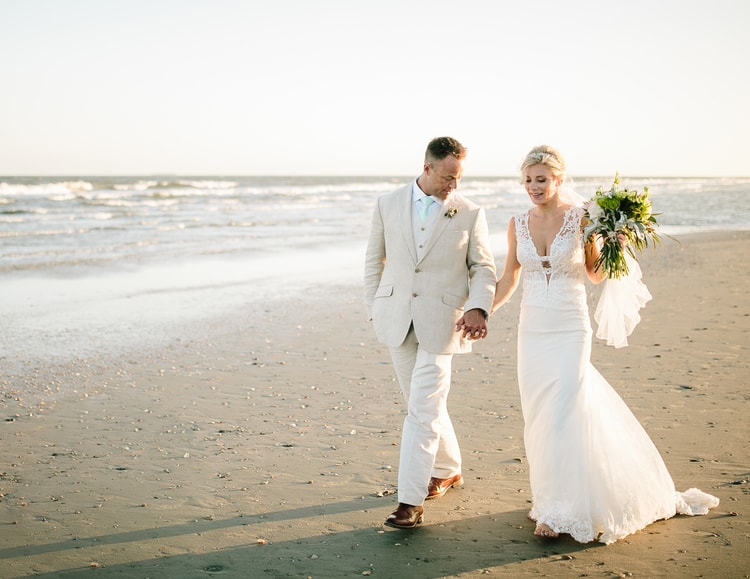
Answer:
(451, 212)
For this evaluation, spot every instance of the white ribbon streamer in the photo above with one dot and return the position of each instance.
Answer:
(620, 301)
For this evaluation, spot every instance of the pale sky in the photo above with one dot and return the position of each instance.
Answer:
(358, 87)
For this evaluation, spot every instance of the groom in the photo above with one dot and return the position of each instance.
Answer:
(429, 285)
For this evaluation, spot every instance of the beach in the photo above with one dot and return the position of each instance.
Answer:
(263, 442)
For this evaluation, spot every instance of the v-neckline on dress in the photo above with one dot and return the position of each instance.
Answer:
(547, 257)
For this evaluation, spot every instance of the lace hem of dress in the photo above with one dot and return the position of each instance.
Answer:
(581, 531)
(584, 532)
(692, 502)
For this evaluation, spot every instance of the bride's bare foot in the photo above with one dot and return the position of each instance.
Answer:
(528, 516)
(545, 531)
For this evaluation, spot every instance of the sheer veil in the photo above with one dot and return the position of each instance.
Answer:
(617, 312)
(568, 193)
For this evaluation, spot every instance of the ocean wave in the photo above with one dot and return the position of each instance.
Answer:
(38, 233)
(44, 189)
(19, 217)
(137, 186)
(208, 184)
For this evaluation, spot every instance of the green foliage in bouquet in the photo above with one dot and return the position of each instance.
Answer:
(615, 214)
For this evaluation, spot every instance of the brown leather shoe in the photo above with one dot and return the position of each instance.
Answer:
(439, 486)
(405, 516)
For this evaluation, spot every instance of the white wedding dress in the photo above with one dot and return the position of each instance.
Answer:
(594, 472)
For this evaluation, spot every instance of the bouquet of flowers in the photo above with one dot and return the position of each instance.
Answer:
(623, 219)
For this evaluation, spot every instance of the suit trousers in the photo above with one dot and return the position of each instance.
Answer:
(428, 442)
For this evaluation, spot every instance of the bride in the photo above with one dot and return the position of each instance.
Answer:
(594, 472)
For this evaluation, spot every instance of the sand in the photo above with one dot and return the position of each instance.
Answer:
(265, 444)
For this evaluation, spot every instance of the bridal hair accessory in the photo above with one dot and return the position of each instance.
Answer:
(451, 212)
(546, 157)
(620, 215)
(540, 156)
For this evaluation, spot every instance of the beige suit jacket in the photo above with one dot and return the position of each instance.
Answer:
(455, 274)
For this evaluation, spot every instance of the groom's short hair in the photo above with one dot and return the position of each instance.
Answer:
(441, 147)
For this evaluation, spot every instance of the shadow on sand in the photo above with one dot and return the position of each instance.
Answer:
(450, 547)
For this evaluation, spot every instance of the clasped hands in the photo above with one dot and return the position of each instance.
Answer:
(472, 325)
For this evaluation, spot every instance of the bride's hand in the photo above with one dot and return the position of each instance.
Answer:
(473, 325)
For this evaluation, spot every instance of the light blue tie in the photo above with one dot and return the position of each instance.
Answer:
(424, 208)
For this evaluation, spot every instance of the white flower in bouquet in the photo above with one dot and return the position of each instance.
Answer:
(593, 210)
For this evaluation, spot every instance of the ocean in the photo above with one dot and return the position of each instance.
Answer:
(110, 257)
(78, 224)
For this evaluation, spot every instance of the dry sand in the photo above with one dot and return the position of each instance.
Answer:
(266, 445)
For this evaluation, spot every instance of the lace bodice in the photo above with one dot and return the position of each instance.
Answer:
(563, 270)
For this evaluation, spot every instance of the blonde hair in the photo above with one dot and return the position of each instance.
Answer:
(548, 156)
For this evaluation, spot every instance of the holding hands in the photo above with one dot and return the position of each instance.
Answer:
(473, 325)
